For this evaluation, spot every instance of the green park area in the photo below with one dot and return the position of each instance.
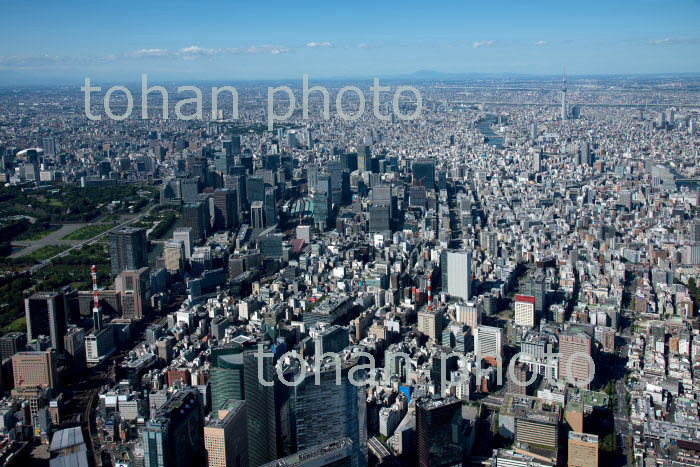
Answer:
(45, 252)
(88, 231)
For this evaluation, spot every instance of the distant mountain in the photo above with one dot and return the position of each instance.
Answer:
(446, 76)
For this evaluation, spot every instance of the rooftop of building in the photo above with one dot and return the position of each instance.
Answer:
(585, 437)
(64, 439)
(576, 397)
(307, 456)
(530, 407)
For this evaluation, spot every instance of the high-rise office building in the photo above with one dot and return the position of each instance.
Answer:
(430, 324)
(262, 409)
(196, 216)
(380, 219)
(233, 145)
(538, 428)
(583, 449)
(225, 209)
(517, 381)
(186, 236)
(100, 344)
(223, 162)
(536, 286)
(135, 288)
(11, 343)
(695, 228)
(128, 249)
(271, 245)
(468, 313)
(349, 161)
(311, 177)
(32, 369)
(74, 343)
(321, 202)
(364, 155)
(257, 215)
(439, 432)
(238, 184)
(458, 265)
(303, 232)
(189, 189)
(575, 362)
(584, 155)
(424, 173)
(226, 376)
(270, 207)
(234, 375)
(488, 343)
(328, 411)
(173, 255)
(537, 160)
(226, 436)
(525, 310)
(335, 170)
(46, 315)
(255, 189)
(175, 436)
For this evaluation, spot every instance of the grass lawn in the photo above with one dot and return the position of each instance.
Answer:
(88, 231)
(20, 324)
(46, 252)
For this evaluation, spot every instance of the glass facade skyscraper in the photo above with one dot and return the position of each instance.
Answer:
(175, 436)
(328, 411)
(424, 173)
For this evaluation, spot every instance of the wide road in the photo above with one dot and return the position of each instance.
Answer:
(53, 238)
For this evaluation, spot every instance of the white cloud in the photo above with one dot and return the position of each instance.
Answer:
(45, 60)
(364, 45)
(541, 43)
(480, 44)
(675, 41)
(191, 52)
(151, 53)
(319, 44)
(196, 50)
(264, 49)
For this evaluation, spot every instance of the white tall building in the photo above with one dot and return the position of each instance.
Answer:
(185, 235)
(468, 313)
(525, 310)
(430, 324)
(459, 274)
(488, 342)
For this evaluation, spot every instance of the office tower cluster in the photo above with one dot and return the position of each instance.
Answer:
(510, 279)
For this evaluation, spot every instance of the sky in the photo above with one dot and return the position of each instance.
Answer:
(63, 41)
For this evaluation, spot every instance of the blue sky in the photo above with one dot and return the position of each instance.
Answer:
(67, 40)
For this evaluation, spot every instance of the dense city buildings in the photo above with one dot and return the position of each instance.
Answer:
(511, 278)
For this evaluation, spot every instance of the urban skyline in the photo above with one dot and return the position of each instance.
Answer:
(356, 235)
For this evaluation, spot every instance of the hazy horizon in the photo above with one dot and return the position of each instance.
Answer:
(279, 41)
